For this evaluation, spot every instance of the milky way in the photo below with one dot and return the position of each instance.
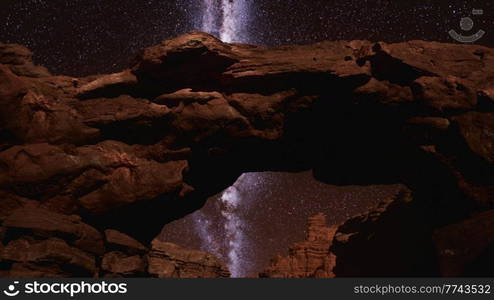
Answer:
(227, 19)
(82, 37)
(234, 228)
(231, 234)
(262, 214)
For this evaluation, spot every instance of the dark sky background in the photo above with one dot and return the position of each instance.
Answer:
(263, 213)
(82, 37)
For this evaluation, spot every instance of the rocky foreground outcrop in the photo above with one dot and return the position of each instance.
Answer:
(42, 243)
(167, 260)
(134, 150)
(308, 259)
(19, 60)
(387, 240)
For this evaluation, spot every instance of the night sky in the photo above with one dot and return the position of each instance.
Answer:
(82, 37)
(263, 213)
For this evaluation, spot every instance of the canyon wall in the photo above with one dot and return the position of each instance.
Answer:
(307, 259)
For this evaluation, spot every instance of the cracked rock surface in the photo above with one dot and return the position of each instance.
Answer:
(133, 150)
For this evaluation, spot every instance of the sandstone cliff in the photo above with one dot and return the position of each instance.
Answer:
(310, 258)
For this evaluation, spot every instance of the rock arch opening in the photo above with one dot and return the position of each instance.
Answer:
(136, 149)
(264, 213)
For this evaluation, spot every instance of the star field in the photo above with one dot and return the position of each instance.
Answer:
(81, 37)
(269, 215)
(262, 214)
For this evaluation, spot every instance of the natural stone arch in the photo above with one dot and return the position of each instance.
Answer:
(193, 113)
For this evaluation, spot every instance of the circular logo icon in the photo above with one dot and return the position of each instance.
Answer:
(467, 24)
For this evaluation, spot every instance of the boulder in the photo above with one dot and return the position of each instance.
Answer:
(108, 85)
(119, 263)
(199, 121)
(10, 202)
(52, 251)
(41, 222)
(431, 91)
(168, 260)
(125, 118)
(123, 242)
(96, 177)
(383, 93)
(49, 118)
(186, 96)
(175, 62)
(476, 130)
(42, 270)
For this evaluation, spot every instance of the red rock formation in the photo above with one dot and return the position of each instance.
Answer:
(143, 144)
(42, 243)
(125, 256)
(19, 59)
(390, 239)
(167, 260)
(464, 248)
(310, 258)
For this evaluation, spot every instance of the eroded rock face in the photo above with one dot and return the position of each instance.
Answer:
(123, 242)
(34, 256)
(36, 242)
(19, 59)
(125, 256)
(310, 258)
(168, 260)
(193, 113)
(107, 85)
(465, 248)
(43, 222)
(119, 264)
(43, 243)
(388, 240)
(103, 176)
